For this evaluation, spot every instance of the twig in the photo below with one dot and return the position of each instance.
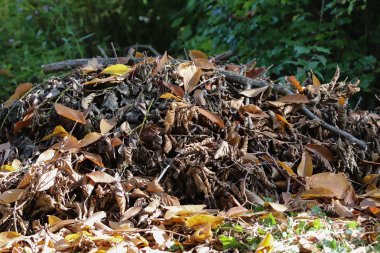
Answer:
(114, 52)
(230, 76)
(102, 52)
(152, 49)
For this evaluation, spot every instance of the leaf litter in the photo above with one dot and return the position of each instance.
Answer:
(171, 155)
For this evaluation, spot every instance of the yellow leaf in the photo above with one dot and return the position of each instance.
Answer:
(19, 92)
(200, 219)
(202, 234)
(58, 131)
(53, 219)
(315, 80)
(293, 80)
(286, 167)
(305, 168)
(117, 70)
(7, 168)
(282, 119)
(341, 101)
(182, 210)
(266, 245)
(6, 237)
(170, 95)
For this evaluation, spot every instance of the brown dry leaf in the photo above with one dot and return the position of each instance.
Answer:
(182, 210)
(203, 63)
(251, 93)
(336, 183)
(197, 54)
(236, 211)
(68, 144)
(25, 122)
(101, 177)
(161, 64)
(305, 168)
(27, 178)
(293, 80)
(294, 99)
(121, 226)
(211, 116)
(11, 196)
(89, 139)
(69, 113)
(107, 124)
(96, 159)
(198, 220)
(47, 180)
(19, 92)
(276, 206)
(154, 186)
(178, 91)
(170, 118)
(318, 192)
(320, 151)
(341, 210)
(199, 97)
(131, 212)
(110, 79)
(59, 131)
(190, 74)
(255, 72)
(116, 142)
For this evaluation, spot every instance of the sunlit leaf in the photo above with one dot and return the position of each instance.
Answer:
(11, 196)
(19, 92)
(315, 79)
(101, 177)
(91, 66)
(107, 124)
(178, 91)
(203, 63)
(169, 96)
(89, 139)
(202, 234)
(47, 180)
(69, 113)
(266, 245)
(53, 220)
(293, 80)
(190, 74)
(6, 237)
(96, 159)
(318, 192)
(287, 168)
(200, 219)
(182, 210)
(254, 92)
(117, 70)
(58, 131)
(283, 120)
(305, 168)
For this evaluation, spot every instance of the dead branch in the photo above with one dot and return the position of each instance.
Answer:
(230, 76)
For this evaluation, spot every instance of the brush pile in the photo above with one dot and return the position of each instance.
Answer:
(159, 154)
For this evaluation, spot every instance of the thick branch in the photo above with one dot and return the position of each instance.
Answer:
(230, 76)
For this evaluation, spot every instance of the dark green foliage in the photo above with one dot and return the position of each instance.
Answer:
(291, 36)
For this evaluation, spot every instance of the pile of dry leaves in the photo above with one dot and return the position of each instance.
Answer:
(127, 158)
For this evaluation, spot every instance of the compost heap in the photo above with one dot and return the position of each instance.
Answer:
(127, 154)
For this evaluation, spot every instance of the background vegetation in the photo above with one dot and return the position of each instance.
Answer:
(290, 36)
